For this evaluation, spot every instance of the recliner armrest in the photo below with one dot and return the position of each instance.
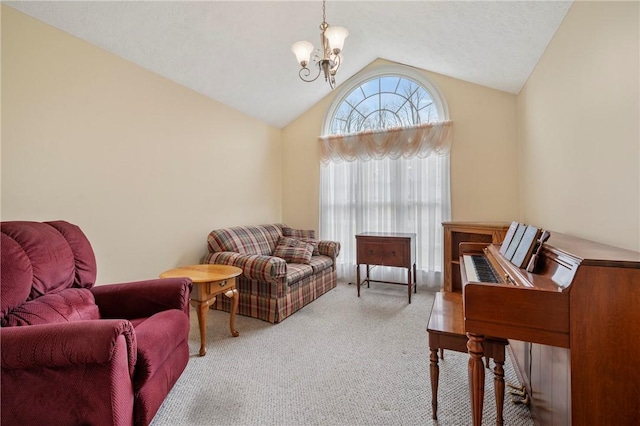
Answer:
(141, 299)
(254, 266)
(66, 344)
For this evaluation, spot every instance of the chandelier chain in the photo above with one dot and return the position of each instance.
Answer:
(324, 25)
(324, 12)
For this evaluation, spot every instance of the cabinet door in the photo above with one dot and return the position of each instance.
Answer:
(395, 254)
(370, 252)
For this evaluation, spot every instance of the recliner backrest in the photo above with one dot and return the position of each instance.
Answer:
(39, 258)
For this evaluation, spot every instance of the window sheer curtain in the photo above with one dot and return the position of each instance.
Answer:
(386, 181)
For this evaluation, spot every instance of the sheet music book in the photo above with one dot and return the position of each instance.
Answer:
(525, 247)
(507, 238)
(515, 241)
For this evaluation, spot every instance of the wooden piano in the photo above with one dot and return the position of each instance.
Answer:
(573, 328)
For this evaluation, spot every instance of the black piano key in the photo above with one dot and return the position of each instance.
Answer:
(484, 270)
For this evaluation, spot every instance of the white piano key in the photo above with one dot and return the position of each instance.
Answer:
(470, 269)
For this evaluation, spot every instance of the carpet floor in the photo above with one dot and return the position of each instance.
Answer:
(341, 360)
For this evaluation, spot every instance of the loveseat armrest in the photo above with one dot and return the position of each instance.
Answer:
(329, 248)
(66, 344)
(254, 266)
(141, 299)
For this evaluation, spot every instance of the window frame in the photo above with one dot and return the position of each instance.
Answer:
(391, 70)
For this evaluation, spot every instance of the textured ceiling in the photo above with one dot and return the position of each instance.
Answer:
(238, 52)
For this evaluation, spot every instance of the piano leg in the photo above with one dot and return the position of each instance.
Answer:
(435, 375)
(476, 376)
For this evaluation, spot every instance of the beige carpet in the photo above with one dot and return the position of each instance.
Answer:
(342, 360)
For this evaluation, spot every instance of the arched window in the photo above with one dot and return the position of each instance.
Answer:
(383, 102)
(389, 96)
(390, 193)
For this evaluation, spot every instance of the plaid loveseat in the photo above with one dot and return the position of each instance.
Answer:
(271, 288)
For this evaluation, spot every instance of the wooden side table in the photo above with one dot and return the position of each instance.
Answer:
(387, 249)
(209, 281)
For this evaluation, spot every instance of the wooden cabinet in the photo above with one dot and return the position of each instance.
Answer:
(387, 253)
(387, 249)
(463, 232)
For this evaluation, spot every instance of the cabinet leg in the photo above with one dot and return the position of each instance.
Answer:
(409, 283)
(368, 279)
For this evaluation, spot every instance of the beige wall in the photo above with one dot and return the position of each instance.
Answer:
(578, 121)
(144, 166)
(483, 156)
(147, 167)
(301, 168)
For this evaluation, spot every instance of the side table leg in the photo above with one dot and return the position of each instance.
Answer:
(201, 309)
(233, 295)
(434, 371)
(476, 376)
(415, 283)
(358, 277)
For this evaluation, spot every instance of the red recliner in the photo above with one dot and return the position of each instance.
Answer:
(77, 354)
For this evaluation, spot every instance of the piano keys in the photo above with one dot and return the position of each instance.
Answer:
(581, 308)
(478, 269)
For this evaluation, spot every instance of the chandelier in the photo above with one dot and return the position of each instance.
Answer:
(327, 58)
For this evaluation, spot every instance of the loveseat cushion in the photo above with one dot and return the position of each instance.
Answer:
(169, 327)
(320, 263)
(254, 266)
(293, 251)
(297, 272)
(261, 239)
(71, 304)
(306, 235)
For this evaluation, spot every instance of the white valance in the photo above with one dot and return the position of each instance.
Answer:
(406, 142)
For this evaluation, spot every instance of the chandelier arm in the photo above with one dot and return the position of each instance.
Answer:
(337, 61)
(305, 72)
(327, 69)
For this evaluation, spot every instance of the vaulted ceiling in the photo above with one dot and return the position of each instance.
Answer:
(238, 52)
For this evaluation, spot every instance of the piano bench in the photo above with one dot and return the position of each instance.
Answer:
(446, 331)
